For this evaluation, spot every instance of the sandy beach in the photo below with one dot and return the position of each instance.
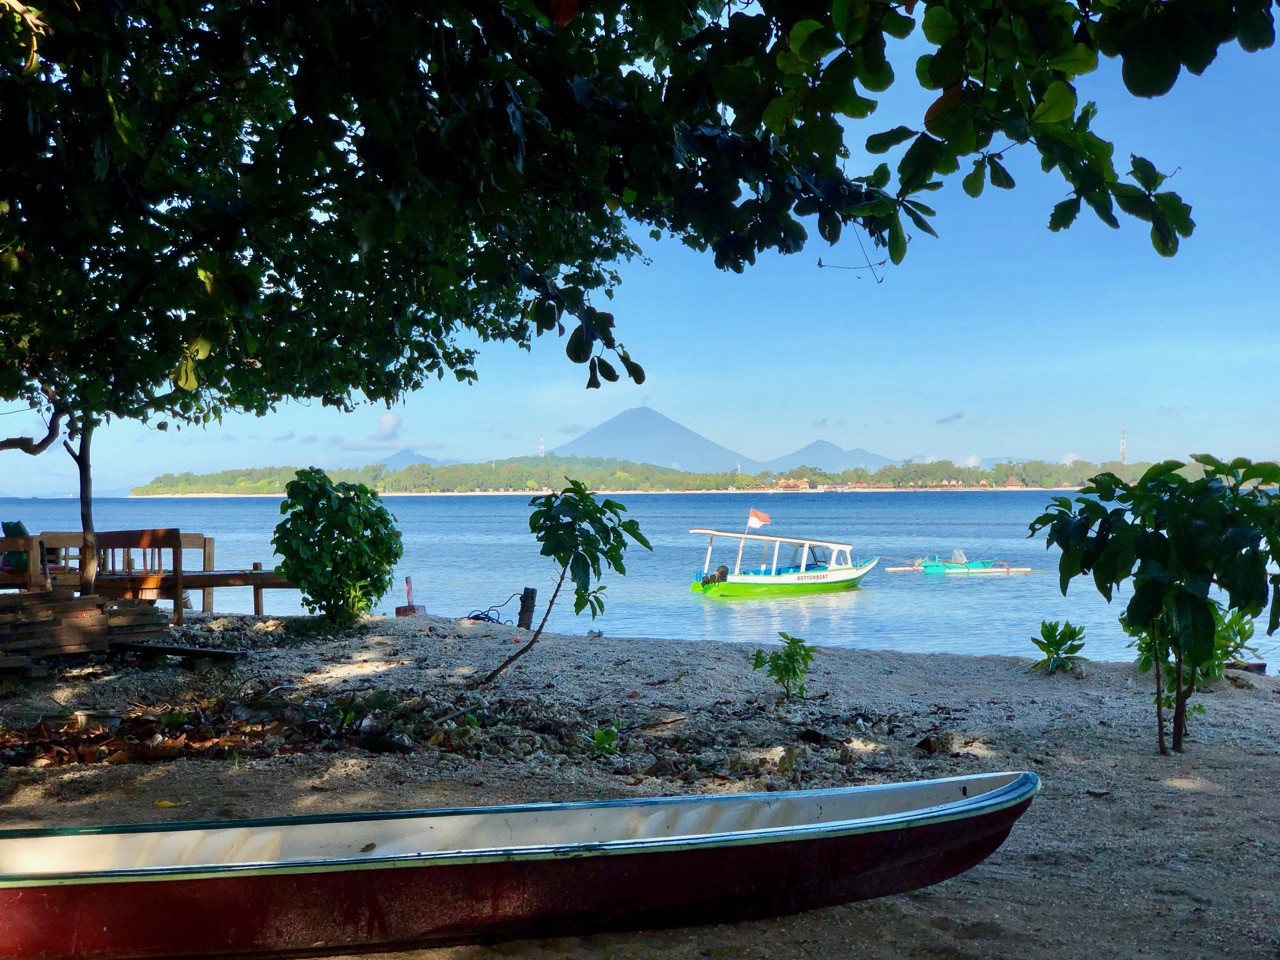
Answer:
(1124, 853)
(755, 491)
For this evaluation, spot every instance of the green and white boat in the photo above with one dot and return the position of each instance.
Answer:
(763, 566)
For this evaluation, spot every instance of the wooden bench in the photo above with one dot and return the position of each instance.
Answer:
(148, 565)
(31, 575)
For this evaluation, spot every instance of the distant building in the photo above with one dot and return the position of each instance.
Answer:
(1014, 482)
(788, 484)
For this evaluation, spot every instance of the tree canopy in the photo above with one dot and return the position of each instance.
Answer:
(213, 206)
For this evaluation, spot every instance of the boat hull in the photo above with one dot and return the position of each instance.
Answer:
(785, 585)
(313, 912)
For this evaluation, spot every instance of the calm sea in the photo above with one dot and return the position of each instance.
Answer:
(468, 553)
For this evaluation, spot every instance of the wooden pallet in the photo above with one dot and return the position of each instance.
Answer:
(56, 623)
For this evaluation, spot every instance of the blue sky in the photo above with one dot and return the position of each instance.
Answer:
(1000, 338)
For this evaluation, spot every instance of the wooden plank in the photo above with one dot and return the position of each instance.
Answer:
(129, 629)
(55, 636)
(67, 649)
(265, 579)
(56, 640)
(12, 662)
(11, 600)
(177, 650)
(57, 623)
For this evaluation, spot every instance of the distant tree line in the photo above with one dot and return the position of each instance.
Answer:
(534, 474)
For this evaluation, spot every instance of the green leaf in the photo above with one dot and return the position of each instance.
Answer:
(1100, 201)
(1134, 201)
(939, 25)
(920, 222)
(1000, 177)
(779, 113)
(607, 370)
(975, 180)
(897, 25)
(634, 370)
(1057, 105)
(1257, 28)
(897, 239)
(1064, 214)
(801, 33)
(578, 349)
(884, 142)
(1145, 173)
(919, 163)
(1177, 212)
(849, 18)
(1150, 71)
(1076, 61)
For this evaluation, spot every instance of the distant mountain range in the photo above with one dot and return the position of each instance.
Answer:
(408, 458)
(644, 435)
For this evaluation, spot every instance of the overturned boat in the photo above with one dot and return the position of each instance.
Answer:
(323, 884)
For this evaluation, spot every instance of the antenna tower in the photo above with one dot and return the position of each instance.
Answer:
(542, 448)
(1123, 453)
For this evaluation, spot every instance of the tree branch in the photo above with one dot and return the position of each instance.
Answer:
(32, 446)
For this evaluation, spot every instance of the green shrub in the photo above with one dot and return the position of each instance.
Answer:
(1061, 646)
(338, 543)
(787, 666)
(1188, 535)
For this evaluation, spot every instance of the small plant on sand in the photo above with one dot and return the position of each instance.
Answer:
(787, 666)
(1181, 531)
(604, 740)
(583, 536)
(338, 543)
(1061, 645)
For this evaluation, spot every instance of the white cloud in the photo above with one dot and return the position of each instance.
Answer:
(389, 427)
(1070, 458)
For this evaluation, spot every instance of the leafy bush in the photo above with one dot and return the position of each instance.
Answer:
(787, 666)
(583, 536)
(338, 543)
(1061, 646)
(1181, 531)
(1232, 632)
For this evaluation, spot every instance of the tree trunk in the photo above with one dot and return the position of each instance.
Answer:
(1158, 669)
(89, 547)
(1181, 696)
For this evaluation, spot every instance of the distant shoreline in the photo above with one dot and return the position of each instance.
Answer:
(613, 493)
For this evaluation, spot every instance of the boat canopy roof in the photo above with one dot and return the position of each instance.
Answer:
(814, 541)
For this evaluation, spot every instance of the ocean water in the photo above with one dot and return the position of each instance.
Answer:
(467, 553)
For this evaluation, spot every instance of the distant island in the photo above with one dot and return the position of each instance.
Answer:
(533, 474)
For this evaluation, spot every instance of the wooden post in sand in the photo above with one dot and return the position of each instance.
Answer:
(410, 609)
(257, 592)
(528, 597)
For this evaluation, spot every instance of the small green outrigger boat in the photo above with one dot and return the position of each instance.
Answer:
(787, 566)
(958, 563)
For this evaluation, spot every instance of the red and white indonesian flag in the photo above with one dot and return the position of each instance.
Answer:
(756, 520)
